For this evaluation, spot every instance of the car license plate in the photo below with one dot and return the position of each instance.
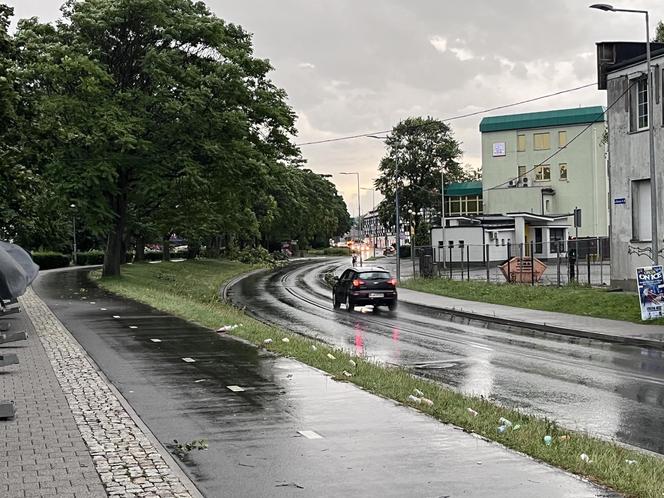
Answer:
(375, 294)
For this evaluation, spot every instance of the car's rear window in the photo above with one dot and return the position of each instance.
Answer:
(375, 275)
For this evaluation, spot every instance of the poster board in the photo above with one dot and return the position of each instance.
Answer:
(650, 283)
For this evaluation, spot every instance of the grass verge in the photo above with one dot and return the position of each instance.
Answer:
(571, 299)
(190, 290)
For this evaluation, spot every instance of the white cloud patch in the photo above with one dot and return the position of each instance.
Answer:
(463, 54)
(306, 65)
(439, 43)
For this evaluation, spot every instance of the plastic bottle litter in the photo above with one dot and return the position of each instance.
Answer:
(585, 458)
(516, 427)
(548, 440)
(418, 393)
(502, 429)
(285, 339)
(630, 462)
(267, 341)
(565, 437)
(414, 399)
(472, 412)
(331, 356)
(353, 363)
(348, 374)
(427, 401)
(314, 348)
(504, 421)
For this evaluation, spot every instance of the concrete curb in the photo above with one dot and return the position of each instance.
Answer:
(500, 322)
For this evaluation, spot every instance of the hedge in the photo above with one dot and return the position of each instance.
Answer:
(49, 260)
(90, 258)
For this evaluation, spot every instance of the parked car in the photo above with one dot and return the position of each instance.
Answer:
(362, 286)
(389, 251)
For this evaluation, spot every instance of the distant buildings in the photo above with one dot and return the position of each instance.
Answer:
(622, 72)
(547, 163)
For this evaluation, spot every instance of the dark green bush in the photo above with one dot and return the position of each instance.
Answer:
(90, 258)
(404, 251)
(48, 260)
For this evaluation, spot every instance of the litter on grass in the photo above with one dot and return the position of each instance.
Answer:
(353, 363)
(331, 356)
(418, 393)
(585, 458)
(228, 328)
(267, 341)
(427, 401)
(285, 339)
(472, 412)
(504, 421)
(347, 374)
(548, 440)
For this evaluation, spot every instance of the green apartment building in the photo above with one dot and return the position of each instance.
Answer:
(547, 163)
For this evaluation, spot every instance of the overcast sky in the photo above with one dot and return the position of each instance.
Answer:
(355, 66)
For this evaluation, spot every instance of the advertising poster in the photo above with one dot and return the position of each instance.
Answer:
(651, 291)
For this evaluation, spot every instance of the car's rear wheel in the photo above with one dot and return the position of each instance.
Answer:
(335, 302)
(392, 306)
(350, 305)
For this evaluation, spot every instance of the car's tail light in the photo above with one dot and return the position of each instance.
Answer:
(357, 282)
(392, 282)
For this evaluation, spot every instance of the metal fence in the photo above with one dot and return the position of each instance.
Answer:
(584, 261)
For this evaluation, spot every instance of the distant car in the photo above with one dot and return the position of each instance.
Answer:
(389, 251)
(362, 286)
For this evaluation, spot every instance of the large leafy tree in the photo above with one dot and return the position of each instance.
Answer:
(659, 32)
(156, 108)
(418, 149)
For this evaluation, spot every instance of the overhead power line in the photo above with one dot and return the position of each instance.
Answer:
(452, 118)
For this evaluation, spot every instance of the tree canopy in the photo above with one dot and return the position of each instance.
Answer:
(154, 117)
(418, 149)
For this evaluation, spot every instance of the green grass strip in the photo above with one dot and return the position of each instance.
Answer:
(571, 299)
(190, 290)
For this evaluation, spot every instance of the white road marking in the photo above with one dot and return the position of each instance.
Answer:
(133, 327)
(155, 340)
(236, 389)
(189, 360)
(116, 316)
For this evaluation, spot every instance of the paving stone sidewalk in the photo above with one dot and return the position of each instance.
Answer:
(72, 436)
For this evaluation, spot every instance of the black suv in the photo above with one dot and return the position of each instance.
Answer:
(361, 286)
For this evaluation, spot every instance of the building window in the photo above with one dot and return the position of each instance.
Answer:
(543, 173)
(557, 238)
(562, 139)
(521, 143)
(641, 221)
(497, 241)
(563, 171)
(638, 105)
(547, 206)
(522, 172)
(541, 141)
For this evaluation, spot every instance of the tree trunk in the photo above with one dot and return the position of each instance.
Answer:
(166, 249)
(140, 250)
(115, 239)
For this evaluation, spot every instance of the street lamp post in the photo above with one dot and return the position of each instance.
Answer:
(442, 212)
(396, 208)
(374, 228)
(359, 212)
(651, 128)
(73, 219)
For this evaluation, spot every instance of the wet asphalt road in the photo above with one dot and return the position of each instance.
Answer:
(609, 390)
(368, 446)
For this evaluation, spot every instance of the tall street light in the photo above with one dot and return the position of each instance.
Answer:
(396, 208)
(651, 127)
(373, 209)
(359, 212)
(73, 219)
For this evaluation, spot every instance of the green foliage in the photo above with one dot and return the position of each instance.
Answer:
(417, 149)
(329, 251)
(573, 299)
(181, 450)
(49, 260)
(659, 32)
(90, 258)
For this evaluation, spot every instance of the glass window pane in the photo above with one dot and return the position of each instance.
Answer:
(562, 138)
(541, 141)
(563, 171)
(520, 143)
